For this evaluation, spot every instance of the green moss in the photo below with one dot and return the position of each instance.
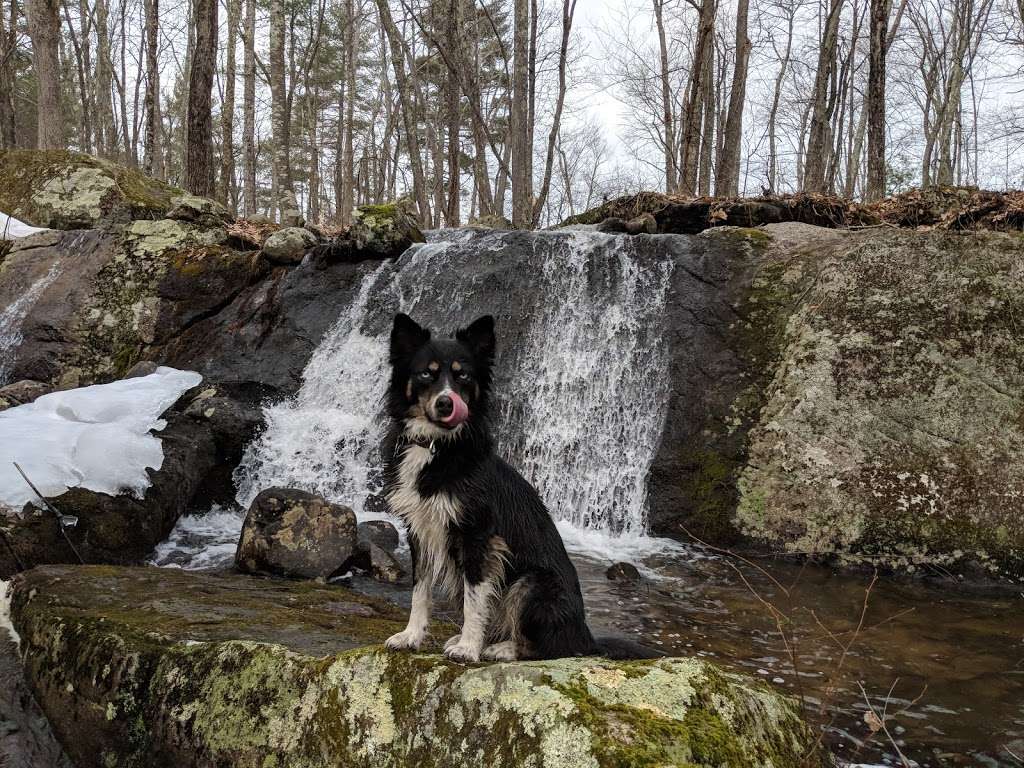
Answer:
(37, 185)
(131, 660)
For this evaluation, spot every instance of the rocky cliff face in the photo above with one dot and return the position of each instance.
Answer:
(159, 667)
(850, 394)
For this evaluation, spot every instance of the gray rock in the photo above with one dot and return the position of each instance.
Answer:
(233, 671)
(119, 529)
(21, 392)
(377, 562)
(140, 369)
(288, 245)
(296, 533)
(623, 572)
(379, 532)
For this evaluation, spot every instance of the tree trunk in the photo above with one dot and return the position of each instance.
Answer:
(695, 91)
(227, 110)
(668, 138)
(348, 157)
(727, 176)
(8, 40)
(875, 103)
(281, 124)
(522, 203)
(249, 110)
(453, 116)
(409, 124)
(44, 30)
(199, 119)
(568, 11)
(153, 159)
(106, 133)
(818, 139)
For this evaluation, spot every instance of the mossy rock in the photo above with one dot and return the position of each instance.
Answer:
(163, 667)
(386, 229)
(892, 432)
(61, 189)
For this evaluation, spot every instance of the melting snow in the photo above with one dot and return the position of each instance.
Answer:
(11, 228)
(5, 612)
(94, 437)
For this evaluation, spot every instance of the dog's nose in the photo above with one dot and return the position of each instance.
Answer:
(443, 405)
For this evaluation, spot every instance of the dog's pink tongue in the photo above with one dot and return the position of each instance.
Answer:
(460, 411)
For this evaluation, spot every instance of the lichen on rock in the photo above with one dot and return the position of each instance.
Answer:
(892, 433)
(235, 671)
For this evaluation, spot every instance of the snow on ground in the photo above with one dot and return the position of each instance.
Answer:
(11, 228)
(5, 612)
(94, 437)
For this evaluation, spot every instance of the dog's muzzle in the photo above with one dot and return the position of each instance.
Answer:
(451, 409)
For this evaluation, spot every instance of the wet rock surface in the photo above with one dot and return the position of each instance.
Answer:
(234, 670)
(114, 529)
(295, 533)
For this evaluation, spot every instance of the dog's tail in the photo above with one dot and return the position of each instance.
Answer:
(623, 649)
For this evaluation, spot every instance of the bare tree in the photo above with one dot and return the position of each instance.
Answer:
(727, 177)
(154, 160)
(44, 29)
(249, 110)
(522, 149)
(199, 177)
(227, 110)
(818, 139)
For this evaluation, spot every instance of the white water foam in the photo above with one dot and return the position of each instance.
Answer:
(582, 416)
(11, 320)
(581, 392)
(5, 613)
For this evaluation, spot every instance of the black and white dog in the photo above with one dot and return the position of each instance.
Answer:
(475, 525)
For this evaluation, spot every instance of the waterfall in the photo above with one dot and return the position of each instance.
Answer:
(12, 317)
(581, 375)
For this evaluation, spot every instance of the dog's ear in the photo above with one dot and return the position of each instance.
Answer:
(479, 337)
(406, 337)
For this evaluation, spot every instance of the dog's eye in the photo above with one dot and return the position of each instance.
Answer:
(425, 375)
(463, 376)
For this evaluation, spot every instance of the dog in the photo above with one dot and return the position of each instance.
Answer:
(475, 525)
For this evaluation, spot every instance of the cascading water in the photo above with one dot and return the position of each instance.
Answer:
(13, 316)
(581, 372)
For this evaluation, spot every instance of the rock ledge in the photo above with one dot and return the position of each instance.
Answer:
(133, 664)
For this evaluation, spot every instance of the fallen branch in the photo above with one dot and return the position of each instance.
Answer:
(60, 518)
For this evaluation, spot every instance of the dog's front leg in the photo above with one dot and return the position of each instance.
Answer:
(415, 631)
(476, 609)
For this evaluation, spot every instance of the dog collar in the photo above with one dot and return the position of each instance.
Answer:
(422, 442)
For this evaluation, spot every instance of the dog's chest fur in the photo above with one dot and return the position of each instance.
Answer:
(428, 518)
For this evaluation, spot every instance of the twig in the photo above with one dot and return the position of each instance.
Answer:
(49, 506)
(880, 720)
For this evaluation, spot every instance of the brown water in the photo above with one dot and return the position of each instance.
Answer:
(945, 668)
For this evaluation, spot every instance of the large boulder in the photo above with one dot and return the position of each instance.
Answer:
(234, 671)
(893, 427)
(99, 301)
(69, 190)
(290, 532)
(114, 529)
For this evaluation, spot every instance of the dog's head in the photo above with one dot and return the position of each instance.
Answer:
(439, 385)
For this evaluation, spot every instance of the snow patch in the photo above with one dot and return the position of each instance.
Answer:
(11, 228)
(5, 612)
(94, 437)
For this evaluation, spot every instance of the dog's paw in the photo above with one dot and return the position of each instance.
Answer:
(505, 651)
(453, 640)
(405, 640)
(464, 654)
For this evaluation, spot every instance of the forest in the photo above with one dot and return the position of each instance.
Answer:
(528, 111)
